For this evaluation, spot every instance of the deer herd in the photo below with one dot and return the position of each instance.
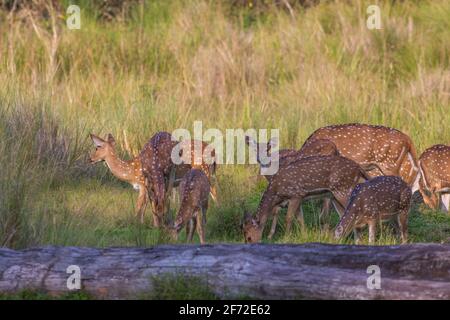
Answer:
(367, 173)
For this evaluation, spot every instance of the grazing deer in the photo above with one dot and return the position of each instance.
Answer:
(286, 156)
(162, 175)
(129, 171)
(381, 198)
(312, 148)
(299, 179)
(194, 190)
(434, 183)
(390, 149)
(150, 171)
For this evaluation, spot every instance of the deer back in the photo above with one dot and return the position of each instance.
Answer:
(194, 190)
(373, 144)
(156, 163)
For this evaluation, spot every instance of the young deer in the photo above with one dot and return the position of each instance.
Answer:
(299, 179)
(434, 183)
(286, 156)
(129, 171)
(381, 198)
(149, 172)
(194, 190)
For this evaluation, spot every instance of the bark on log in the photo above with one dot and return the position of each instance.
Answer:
(416, 271)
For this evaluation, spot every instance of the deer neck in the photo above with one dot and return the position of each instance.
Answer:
(347, 222)
(124, 170)
(265, 208)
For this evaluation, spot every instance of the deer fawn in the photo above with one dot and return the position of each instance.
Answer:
(286, 156)
(194, 190)
(381, 198)
(434, 183)
(129, 171)
(302, 178)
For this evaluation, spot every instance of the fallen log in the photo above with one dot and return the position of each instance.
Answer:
(308, 271)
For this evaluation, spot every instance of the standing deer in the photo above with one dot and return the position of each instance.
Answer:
(129, 171)
(434, 183)
(286, 156)
(381, 198)
(194, 190)
(299, 179)
(389, 150)
(162, 174)
(152, 172)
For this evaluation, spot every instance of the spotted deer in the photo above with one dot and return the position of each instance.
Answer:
(434, 183)
(150, 171)
(129, 171)
(162, 175)
(300, 179)
(286, 156)
(390, 149)
(194, 190)
(379, 199)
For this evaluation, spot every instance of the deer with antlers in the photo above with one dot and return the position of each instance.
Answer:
(381, 198)
(434, 183)
(152, 172)
(194, 190)
(299, 180)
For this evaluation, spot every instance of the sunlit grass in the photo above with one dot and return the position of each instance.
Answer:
(183, 61)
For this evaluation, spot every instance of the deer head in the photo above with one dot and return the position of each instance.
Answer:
(251, 229)
(103, 148)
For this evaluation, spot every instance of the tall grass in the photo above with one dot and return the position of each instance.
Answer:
(169, 63)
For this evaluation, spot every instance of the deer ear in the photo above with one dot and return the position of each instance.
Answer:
(98, 142)
(111, 139)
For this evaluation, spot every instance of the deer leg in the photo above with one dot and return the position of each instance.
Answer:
(213, 193)
(300, 217)
(357, 235)
(372, 231)
(325, 211)
(200, 228)
(204, 209)
(275, 213)
(403, 225)
(169, 189)
(292, 208)
(339, 208)
(190, 228)
(141, 204)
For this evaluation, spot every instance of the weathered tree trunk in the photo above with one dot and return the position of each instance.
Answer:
(418, 271)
